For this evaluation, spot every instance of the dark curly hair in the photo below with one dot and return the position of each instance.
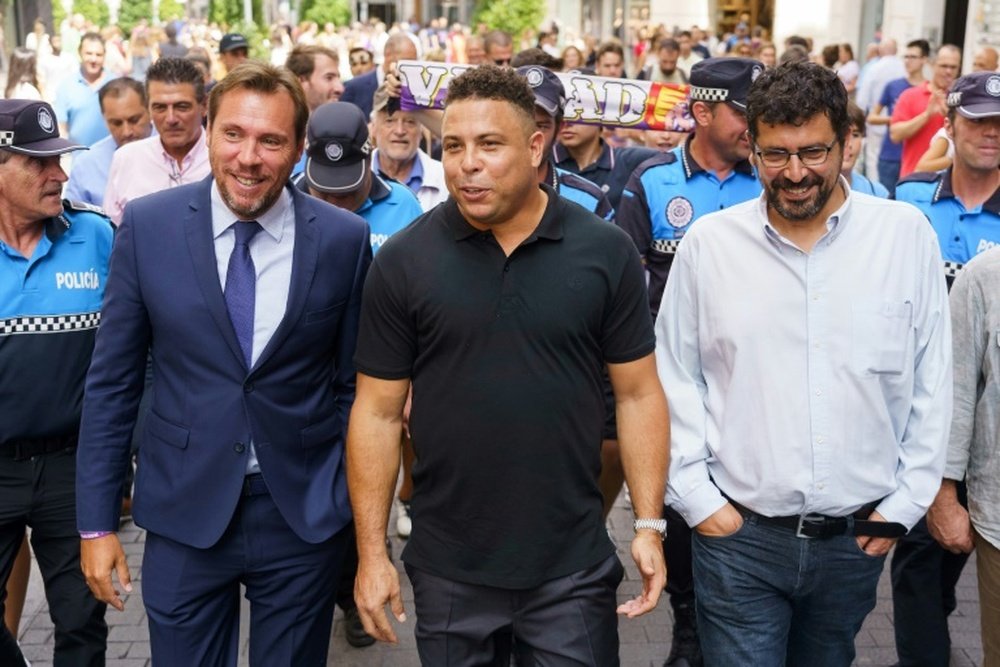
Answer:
(794, 93)
(489, 82)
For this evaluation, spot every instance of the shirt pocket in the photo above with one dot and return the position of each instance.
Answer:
(881, 332)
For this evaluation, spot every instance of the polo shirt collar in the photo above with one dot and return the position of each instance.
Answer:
(380, 189)
(945, 189)
(549, 227)
(691, 166)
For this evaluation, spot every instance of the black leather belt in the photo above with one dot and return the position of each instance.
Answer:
(820, 526)
(254, 485)
(26, 448)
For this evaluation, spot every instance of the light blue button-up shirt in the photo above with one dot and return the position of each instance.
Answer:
(807, 382)
(271, 251)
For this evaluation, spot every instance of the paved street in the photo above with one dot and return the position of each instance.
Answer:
(644, 642)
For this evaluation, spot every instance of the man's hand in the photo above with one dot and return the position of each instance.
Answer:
(948, 522)
(724, 522)
(875, 546)
(647, 552)
(98, 557)
(377, 584)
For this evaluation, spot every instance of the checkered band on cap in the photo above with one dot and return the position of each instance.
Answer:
(952, 269)
(6, 138)
(703, 94)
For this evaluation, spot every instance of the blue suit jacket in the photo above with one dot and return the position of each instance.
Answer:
(360, 91)
(163, 294)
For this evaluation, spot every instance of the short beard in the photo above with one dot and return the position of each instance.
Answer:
(799, 211)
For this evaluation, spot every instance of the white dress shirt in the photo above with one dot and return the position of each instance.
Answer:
(807, 382)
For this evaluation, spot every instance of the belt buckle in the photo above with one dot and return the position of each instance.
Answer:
(806, 521)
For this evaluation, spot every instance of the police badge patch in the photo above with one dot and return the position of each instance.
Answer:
(679, 212)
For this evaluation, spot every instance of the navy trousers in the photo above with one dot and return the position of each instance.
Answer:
(192, 595)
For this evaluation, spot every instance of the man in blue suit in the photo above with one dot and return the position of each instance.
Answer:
(247, 294)
(360, 91)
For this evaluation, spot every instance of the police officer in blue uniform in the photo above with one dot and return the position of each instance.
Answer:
(962, 203)
(708, 172)
(338, 170)
(550, 98)
(580, 150)
(664, 197)
(53, 266)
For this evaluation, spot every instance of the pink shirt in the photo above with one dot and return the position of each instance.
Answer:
(143, 167)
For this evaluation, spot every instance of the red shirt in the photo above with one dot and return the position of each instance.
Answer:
(911, 104)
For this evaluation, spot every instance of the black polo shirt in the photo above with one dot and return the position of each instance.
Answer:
(505, 355)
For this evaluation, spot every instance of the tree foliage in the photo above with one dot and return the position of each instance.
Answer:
(322, 12)
(130, 12)
(95, 11)
(511, 16)
(230, 12)
(170, 9)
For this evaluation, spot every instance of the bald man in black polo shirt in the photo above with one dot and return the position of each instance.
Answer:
(502, 306)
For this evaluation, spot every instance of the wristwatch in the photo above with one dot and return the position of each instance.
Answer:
(659, 525)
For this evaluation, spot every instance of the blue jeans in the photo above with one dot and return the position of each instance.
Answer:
(888, 175)
(767, 598)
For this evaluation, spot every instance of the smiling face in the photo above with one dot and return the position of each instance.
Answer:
(91, 59)
(797, 193)
(324, 85)
(977, 142)
(253, 149)
(490, 152)
(31, 187)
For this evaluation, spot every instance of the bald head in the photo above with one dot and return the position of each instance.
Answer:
(985, 59)
(398, 47)
(887, 47)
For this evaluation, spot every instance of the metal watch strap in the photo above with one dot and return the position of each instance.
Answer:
(659, 525)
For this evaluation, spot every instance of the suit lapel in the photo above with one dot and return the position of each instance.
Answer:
(304, 257)
(198, 227)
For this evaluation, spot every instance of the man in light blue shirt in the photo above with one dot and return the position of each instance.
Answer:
(76, 105)
(123, 105)
(808, 364)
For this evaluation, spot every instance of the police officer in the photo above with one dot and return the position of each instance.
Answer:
(338, 170)
(663, 198)
(54, 263)
(581, 150)
(962, 203)
(550, 98)
(708, 172)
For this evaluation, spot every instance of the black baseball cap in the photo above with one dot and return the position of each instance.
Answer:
(976, 95)
(724, 80)
(338, 148)
(548, 89)
(30, 128)
(233, 41)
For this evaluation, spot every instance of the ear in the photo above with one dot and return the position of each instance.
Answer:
(701, 113)
(949, 128)
(536, 144)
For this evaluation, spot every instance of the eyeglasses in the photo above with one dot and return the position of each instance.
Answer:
(811, 156)
(912, 57)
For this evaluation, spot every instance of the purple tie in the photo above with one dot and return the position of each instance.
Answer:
(241, 287)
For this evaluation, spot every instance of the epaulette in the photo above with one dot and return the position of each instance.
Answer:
(922, 177)
(83, 206)
(580, 183)
(669, 157)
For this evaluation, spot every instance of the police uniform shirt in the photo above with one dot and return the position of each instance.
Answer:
(664, 197)
(389, 208)
(610, 171)
(50, 306)
(962, 233)
(861, 183)
(580, 191)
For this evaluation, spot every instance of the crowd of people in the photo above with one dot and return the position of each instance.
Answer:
(275, 303)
